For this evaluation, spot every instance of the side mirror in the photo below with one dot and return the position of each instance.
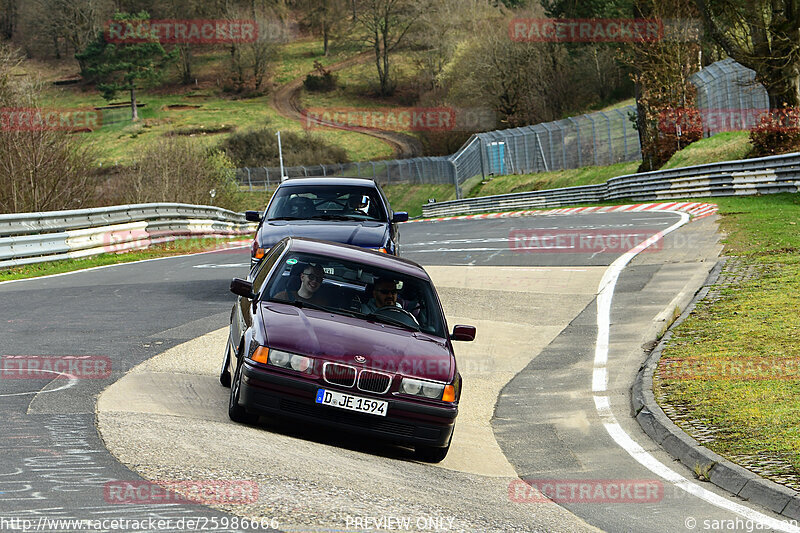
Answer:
(463, 333)
(400, 216)
(243, 288)
(252, 216)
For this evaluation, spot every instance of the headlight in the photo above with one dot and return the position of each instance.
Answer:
(290, 361)
(427, 389)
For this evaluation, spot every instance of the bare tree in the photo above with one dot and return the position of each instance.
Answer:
(763, 35)
(40, 169)
(386, 23)
(661, 71)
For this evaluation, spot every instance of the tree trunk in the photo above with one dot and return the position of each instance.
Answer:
(325, 36)
(784, 90)
(134, 110)
(186, 64)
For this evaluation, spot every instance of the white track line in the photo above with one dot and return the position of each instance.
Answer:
(72, 381)
(603, 403)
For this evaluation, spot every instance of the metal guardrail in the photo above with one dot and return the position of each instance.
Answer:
(27, 238)
(764, 175)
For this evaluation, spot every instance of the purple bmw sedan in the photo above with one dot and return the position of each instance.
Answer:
(348, 338)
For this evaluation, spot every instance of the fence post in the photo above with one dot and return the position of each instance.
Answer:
(624, 133)
(610, 146)
(541, 151)
(577, 140)
(594, 140)
(455, 180)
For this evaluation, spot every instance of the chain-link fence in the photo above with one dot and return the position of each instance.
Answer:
(728, 97)
(601, 138)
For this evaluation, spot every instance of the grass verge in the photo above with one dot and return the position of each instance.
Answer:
(734, 364)
(179, 247)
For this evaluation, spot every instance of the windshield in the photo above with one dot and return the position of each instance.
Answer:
(326, 202)
(354, 289)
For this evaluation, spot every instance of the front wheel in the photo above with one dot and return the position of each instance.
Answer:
(236, 412)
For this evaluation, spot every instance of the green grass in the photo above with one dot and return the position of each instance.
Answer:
(552, 180)
(726, 146)
(119, 140)
(735, 363)
(297, 58)
(411, 197)
(355, 82)
(179, 247)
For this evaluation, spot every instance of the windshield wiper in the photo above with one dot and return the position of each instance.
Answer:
(301, 304)
(335, 217)
(285, 218)
(392, 321)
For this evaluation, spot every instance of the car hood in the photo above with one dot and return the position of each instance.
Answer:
(341, 338)
(366, 234)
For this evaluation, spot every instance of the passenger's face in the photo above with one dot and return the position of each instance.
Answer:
(385, 293)
(312, 278)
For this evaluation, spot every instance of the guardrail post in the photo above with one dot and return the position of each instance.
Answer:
(249, 181)
(266, 183)
(358, 169)
(323, 171)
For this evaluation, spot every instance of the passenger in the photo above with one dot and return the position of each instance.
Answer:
(311, 278)
(384, 294)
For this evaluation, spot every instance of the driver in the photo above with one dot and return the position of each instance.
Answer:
(384, 294)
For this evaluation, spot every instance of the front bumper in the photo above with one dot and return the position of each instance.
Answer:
(406, 422)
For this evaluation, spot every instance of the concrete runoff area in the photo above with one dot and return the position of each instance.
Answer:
(167, 419)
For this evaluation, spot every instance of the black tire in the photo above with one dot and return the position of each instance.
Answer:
(429, 454)
(225, 371)
(236, 412)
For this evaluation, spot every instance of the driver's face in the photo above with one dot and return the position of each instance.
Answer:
(385, 293)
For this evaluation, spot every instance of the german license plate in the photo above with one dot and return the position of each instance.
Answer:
(352, 403)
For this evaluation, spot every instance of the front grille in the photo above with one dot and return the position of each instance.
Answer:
(374, 381)
(341, 375)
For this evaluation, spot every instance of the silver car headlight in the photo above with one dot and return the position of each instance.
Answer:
(425, 389)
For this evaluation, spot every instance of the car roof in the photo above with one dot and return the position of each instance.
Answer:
(335, 181)
(347, 252)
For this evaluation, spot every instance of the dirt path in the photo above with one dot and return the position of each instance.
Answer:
(286, 101)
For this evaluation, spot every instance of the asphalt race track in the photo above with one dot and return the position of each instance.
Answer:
(530, 408)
